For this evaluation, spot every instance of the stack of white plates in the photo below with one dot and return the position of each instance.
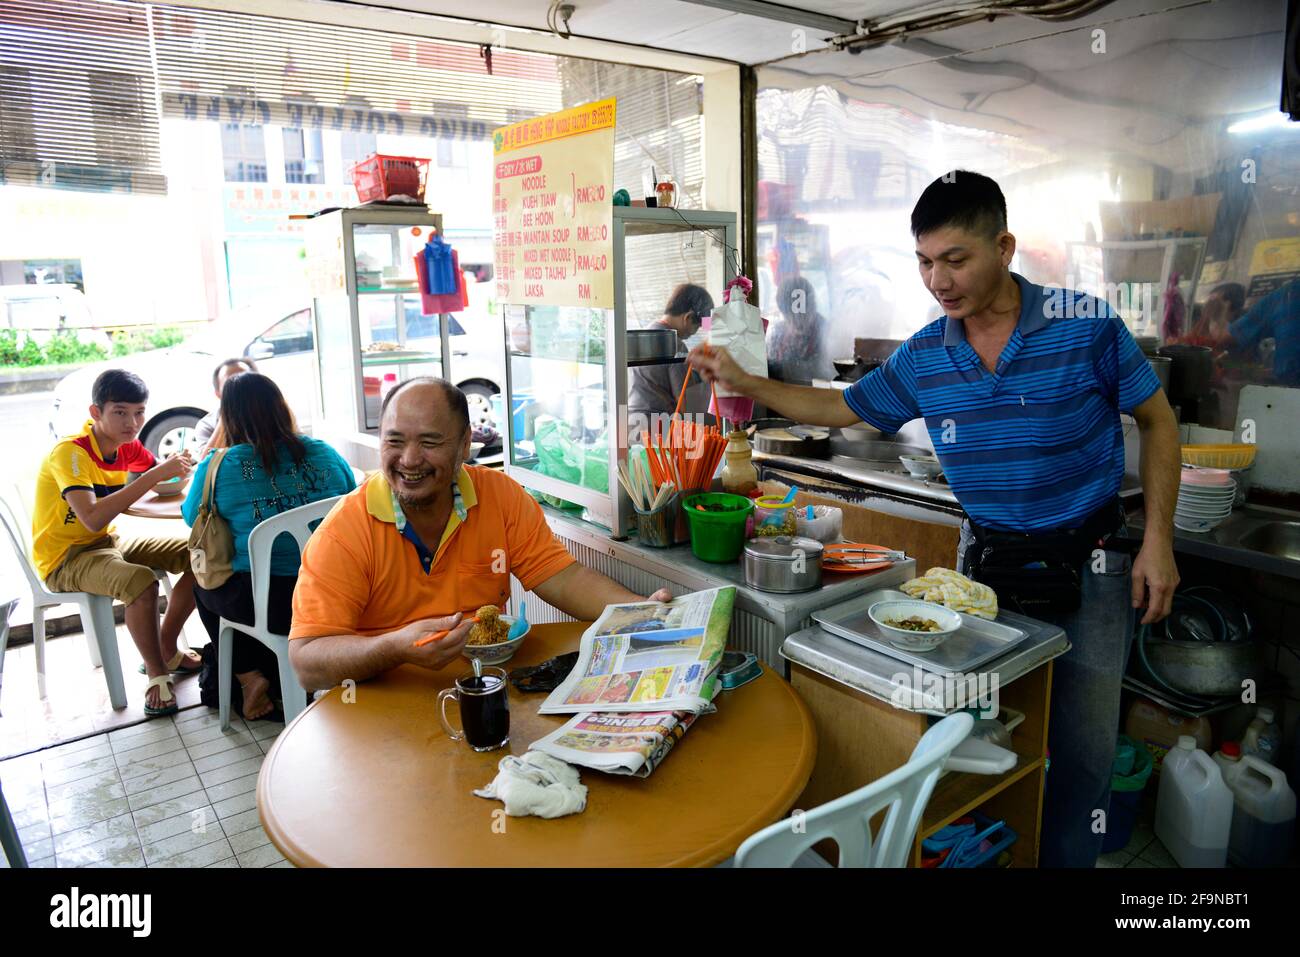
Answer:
(1204, 499)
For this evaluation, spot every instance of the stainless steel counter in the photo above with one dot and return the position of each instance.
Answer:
(899, 683)
(761, 620)
(1256, 537)
(841, 468)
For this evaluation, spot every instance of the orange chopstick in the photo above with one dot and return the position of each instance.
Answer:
(439, 635)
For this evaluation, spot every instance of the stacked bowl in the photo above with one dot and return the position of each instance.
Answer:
(1205, 499)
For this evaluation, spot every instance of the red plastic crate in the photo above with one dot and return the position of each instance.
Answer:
(379, 176)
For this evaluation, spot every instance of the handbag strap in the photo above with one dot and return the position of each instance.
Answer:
(208, 480)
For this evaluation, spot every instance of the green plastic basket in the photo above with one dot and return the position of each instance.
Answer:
(717, 536)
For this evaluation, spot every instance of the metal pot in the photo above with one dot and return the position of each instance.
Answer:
(785, 564)
(853, 369)
(650, 344)
(804, 441)
(875, 451)
(1210, 668)
(1160, 365)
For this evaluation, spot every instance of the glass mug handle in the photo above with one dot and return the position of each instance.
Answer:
(443, 695)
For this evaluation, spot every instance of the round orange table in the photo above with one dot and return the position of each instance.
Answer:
(376, 783)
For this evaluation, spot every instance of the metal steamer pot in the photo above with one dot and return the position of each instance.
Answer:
(649, 344)
(804, 441)
(784, 564)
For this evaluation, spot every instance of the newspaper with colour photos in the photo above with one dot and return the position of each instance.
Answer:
(649, 656)
(631, 742)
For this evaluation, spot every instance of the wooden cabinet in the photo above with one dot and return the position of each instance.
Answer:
(861, 738)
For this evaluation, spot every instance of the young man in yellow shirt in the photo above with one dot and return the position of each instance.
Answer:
(81, 487)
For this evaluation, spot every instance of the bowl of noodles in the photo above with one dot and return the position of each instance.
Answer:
(487, 638)
(914, 625)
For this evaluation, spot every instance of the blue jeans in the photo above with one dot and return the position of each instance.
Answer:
(1085, 714)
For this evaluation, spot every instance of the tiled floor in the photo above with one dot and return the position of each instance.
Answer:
(172, 792)
(1144, 849)
(77, 702)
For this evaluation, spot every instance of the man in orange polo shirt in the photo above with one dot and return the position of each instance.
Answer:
(415, 548)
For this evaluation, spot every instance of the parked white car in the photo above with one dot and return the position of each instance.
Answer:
(180, 377)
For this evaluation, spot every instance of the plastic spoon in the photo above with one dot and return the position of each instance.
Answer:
(521, 623)
(794, 490)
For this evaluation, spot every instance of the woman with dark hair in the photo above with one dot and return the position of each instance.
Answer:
(796, 345)
(269, 469)
(655, 388)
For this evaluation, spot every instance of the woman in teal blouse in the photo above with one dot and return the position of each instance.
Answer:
(269, 469)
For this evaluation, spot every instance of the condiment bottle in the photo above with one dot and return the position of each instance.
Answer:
(739, 476)
(666, 194)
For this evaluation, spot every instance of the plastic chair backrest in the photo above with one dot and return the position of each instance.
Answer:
(18, 538)
(296, 522)
(902, 794)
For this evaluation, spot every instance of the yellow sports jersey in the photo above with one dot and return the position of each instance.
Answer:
(76, 463)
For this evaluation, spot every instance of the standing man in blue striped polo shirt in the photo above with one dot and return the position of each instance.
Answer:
(1021, 388)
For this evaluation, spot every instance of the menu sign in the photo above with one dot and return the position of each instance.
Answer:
(551, 205)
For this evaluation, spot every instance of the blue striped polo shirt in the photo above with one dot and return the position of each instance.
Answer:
(1276, 315)
(1036, 445)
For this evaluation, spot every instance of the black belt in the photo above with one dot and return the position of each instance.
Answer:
(1040, 571)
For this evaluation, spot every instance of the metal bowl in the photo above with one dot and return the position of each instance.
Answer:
(644, 345)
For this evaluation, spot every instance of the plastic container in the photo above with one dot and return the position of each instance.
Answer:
(772, 516)
(380, 176)
(388, 384)
(1129, 774)
(1159, 729)
(717, 536)
(1263, 815)
(1193, 807)
(826, 525)
(1262, 738)
(739, 476)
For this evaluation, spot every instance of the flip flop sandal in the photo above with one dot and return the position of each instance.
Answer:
(169, 704)
(182, 654)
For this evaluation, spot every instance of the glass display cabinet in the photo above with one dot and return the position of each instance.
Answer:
(369, 327)
(568, 371)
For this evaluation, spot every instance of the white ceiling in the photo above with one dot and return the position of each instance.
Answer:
(667, 24)
(1212, 59)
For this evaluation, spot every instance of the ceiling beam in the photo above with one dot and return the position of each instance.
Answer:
(836, 26)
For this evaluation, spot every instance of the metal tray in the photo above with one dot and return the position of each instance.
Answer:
(977, 641)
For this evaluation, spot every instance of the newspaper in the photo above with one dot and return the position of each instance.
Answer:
(632, 743)
(649, 657)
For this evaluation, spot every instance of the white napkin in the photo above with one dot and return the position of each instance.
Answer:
(536, 784)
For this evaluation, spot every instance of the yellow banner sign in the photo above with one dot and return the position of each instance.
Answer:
(551, 207)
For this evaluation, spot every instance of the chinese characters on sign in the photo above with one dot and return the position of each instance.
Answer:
(551, 208)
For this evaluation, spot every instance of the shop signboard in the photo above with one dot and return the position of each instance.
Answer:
(1273, 264)
(552, 208)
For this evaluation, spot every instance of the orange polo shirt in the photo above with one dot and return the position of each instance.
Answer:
(362, 576)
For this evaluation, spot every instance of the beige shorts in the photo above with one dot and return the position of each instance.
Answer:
(123, 570)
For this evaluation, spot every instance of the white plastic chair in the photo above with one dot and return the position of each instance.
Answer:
(847, 820)
(9, 842)
(96, 612)
(295, 522)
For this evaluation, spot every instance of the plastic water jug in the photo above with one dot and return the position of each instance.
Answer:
(1263, 815)
(1263, 738)
(1193, 807)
